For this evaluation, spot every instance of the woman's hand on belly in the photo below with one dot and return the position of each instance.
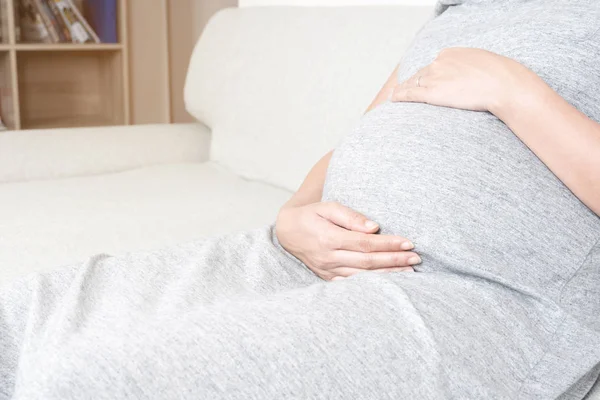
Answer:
(465, 78)
(565, 139)
(336, 242)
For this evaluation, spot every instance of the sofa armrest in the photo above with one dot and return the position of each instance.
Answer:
(59, 153)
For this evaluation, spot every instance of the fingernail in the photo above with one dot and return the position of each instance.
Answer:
(371, 225)
(407, 246)
(414, 260)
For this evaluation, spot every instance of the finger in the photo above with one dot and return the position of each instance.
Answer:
(369, 261)
(417, 80)
(368, 243)
(346, 217)
(344, 272)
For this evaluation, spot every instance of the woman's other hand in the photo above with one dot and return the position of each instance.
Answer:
(465, 78)
(335, 241)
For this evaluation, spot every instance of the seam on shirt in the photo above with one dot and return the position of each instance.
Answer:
(585, 260)
(560, 324)
(542, 357)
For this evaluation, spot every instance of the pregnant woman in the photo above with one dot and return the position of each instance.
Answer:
(483, 149)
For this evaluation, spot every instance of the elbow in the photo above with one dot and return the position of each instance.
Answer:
(594, 194)
(595, 204)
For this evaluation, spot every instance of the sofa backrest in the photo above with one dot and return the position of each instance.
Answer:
(280, 86)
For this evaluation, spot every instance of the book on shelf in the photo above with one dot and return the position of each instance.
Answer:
(51, 24)
(79, 29)
(61, 27)
(66, 33)
(33, 28)
(102, 15)
(4, 23)
(54, 21)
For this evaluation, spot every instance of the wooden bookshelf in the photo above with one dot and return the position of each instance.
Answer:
(62, 85)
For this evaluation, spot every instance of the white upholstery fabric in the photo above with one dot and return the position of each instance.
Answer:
(279, 86)
(58, 153)
(50, 223)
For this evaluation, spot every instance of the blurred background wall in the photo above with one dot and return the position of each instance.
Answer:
(162, 35)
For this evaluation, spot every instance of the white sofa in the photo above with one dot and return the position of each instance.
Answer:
(274, 89)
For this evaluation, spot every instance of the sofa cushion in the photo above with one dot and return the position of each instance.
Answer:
(67, 152)
(279, 86)
(46, 224)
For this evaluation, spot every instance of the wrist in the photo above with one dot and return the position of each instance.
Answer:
(293, 202)
(519, 91)
(304, 196)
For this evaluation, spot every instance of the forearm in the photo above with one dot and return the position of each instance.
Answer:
(311, 189)
(566, 140)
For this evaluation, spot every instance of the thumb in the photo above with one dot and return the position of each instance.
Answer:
(409, 94)
(346, 218)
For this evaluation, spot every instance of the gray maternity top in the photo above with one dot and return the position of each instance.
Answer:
(506, 304)
(482, 209)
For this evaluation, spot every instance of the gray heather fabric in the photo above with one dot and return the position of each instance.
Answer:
(505, 305)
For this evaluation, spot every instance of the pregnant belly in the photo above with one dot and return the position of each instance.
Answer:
(470, 195)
